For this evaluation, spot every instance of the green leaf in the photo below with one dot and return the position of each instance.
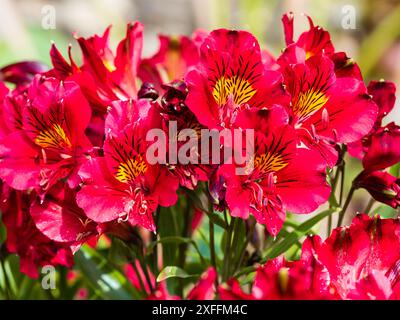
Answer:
(395, 170)
(3, 231)
(386, 212)
(179, 240)
(169, 225)
(214, 217)
(173, 272)
(107, 281)
(379, 40)
(296, 234)
(120, 252)
(217, 219)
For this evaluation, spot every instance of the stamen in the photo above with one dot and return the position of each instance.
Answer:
(240, 89)
(131, 169)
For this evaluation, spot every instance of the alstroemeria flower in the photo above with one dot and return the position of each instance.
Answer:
(60, 219)
(23, 238)
(381, 185)
(284, 177)
(50, 144)
(381, 153)
(383, 148)
(383, 94)
(174, 109)
(279, 279)
(360, 261)
(21, 73)
(122, 185)
(367, 249)
(104, 76)
(230, 77)
(326, 107)
(172, 60)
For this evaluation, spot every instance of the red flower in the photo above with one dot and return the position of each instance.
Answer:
(229, 77)
(284, 177)
(280, 279)
(204, 288)
(60, 219)
(382, 186)
(104, 77)
(175, 110)
(50, 142)
(122, 185)
(172, 60)
(231, 290)
(383, 94)
(383, 148)
(358, 256)
(322, 92)
(22, 73)
(356, 262)
(23, 238)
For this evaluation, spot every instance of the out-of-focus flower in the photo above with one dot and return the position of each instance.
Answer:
(23, 238)
(173, 59)
(104, 77)
(278, 279)
(21, 73)
(363, 252)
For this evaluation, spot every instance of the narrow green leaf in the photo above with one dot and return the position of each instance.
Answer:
(173, 272)
(3, 231)
(108, 282)
(395, 170)
(296, 234)
(179, 240)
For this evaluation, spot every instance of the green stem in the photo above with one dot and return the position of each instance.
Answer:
(346, 205)
(342, 185)
(234, 245)
(133, 264)
(369, 206)
(244, 246)
(155, 238)
(212, 249)
(145, 271)
(6, 280)
(227, 250)
(332, 200)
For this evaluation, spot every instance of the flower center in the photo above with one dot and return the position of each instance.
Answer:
(309, 102)
(53, 138)
(128, 171)
(240, 89)
(269, 162)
